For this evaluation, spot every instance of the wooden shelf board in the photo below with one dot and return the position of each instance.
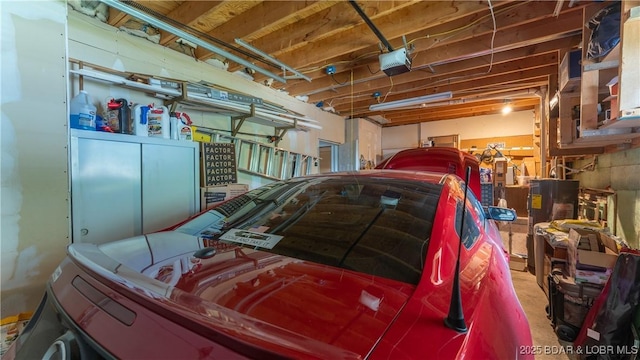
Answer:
(602, 140)
(611, 60)
(621, 123)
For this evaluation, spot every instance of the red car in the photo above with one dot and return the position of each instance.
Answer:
(336, 266)
(438, 159)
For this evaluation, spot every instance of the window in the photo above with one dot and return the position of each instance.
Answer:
(470, 230)
(376, 226)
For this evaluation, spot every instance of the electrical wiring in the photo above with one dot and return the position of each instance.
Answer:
(388, 91)
(471, 24)
(493, 35)
(372, 72)
(453, 32)
(348, 62)
(338, 82)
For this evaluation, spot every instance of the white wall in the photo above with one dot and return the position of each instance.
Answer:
(478, 127)
(369, 143)
(34, 137)
(408, 136)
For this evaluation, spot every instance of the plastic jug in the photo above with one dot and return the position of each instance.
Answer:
(175, 126)
(82, 112)
(158, 120)
(141, 120)
(181, 126)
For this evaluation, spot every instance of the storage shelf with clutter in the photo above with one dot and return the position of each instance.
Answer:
(603, 76)
(168, 118)
(199, 96)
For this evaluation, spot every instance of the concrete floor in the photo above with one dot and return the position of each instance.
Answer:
(532, 297)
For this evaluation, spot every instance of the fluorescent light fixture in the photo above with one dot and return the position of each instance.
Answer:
(411, 101)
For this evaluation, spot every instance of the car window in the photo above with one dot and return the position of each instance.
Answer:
(371, 225)
(470, 230)
(476, 205)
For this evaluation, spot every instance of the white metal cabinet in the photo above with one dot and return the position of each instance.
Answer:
(168, 184)
(124, 185)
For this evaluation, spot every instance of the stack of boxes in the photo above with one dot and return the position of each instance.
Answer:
(218, 174)
(572, 289)
(591, 256)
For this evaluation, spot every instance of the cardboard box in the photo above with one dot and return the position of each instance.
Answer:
(518, 262)
(587, 257)
(570, 70)
(211, 195)
(613, 86)
(610, 244)
(592, 277)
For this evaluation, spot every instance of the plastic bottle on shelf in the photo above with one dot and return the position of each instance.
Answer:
(186, 132)
(181, 126)
(119, 118)
(159, 122)
(82, 112)
(175, 126)
(141, 120)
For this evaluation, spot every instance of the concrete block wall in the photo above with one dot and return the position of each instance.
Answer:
(619, 171)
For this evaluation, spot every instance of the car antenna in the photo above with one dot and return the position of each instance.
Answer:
(455, 318)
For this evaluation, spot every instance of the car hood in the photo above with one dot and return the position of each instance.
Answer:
(288, 306)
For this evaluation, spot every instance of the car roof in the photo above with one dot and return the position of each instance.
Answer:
(431, 155)
(417, 175)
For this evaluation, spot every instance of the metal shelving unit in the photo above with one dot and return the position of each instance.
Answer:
(253, 157)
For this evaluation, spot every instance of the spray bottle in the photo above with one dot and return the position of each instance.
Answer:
(181, 126)
(186, 133)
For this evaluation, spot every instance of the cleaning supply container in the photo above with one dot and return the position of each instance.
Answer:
(141, 120)
(158, 120)
(175, 125)
(82, 112)
(181, 126)
(119, 118)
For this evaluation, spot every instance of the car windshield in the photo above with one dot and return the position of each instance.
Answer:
(377, 226)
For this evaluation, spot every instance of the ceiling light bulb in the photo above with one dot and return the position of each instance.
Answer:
(506, 109)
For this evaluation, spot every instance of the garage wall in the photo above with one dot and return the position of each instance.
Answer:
(614, 170)
(34, 194)
(369, 144)
(488, 126)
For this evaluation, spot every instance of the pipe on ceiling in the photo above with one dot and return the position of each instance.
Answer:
(180, 33)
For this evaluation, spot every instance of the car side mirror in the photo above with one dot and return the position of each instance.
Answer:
(500, 213)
